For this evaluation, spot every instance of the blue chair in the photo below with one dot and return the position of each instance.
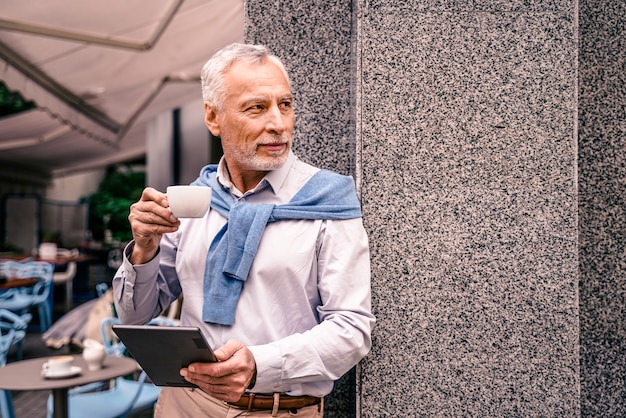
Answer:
(6, 403)
(17, 323)
(101, 289)
(124, 397)
(21, 300)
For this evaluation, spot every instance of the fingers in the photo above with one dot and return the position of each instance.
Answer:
(227, 379)
(229, 387)
(228, 350)
(152, 208)
(149, 219)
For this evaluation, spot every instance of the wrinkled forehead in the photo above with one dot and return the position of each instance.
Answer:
(260, 61)
(250, 77)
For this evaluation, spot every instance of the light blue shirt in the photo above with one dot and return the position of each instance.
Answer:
(305, 309)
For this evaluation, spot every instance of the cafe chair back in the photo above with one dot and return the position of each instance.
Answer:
(6, 403)
(101, 289)
(21, 300)
(121, 399)
(112, 345)
(16, 324)
(66, 276)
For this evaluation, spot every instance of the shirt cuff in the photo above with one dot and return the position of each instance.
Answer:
(135, 274)
(138, 271)
(268, 368)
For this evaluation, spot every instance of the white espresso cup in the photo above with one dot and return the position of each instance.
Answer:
(189, 201)
(58, 365)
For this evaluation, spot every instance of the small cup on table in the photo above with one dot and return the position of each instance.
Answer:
(58, 365)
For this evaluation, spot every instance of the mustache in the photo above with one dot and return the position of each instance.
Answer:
(275, 139)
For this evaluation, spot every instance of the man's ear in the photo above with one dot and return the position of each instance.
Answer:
(210, 119)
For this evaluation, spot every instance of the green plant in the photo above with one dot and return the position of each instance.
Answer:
(109, 206)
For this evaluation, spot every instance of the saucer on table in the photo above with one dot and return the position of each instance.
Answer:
(59, 375)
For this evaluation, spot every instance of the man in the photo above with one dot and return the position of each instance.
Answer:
(291, 313)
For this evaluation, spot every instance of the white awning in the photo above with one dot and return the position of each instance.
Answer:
(98, 71)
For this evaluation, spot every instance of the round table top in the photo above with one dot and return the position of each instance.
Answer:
(26, 374)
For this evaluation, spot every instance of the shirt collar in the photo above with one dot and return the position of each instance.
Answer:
(275, 178)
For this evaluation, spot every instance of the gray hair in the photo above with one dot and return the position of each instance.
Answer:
(212, 75)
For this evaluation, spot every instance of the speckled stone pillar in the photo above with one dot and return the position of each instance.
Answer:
(602, 167)
(469, 190)
(316, 41)
(459, 121)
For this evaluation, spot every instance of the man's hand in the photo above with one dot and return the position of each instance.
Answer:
(228, 378)
(149, 219)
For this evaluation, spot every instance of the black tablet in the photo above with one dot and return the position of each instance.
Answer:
(162, 351)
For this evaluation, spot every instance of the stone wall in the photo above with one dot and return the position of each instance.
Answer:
(460, 121)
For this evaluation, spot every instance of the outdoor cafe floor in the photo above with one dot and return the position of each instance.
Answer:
(33, 404)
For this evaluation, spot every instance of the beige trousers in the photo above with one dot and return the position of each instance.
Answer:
(194, 403)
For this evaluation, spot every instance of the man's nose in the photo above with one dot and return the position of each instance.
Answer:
(275, 120)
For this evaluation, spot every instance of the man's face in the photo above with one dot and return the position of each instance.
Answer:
(256, 123)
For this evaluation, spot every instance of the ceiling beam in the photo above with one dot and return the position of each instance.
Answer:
(52, 32)
(30, 141)
(78, 104)
(56, 89)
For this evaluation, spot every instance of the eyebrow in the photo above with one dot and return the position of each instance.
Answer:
(255, 100)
